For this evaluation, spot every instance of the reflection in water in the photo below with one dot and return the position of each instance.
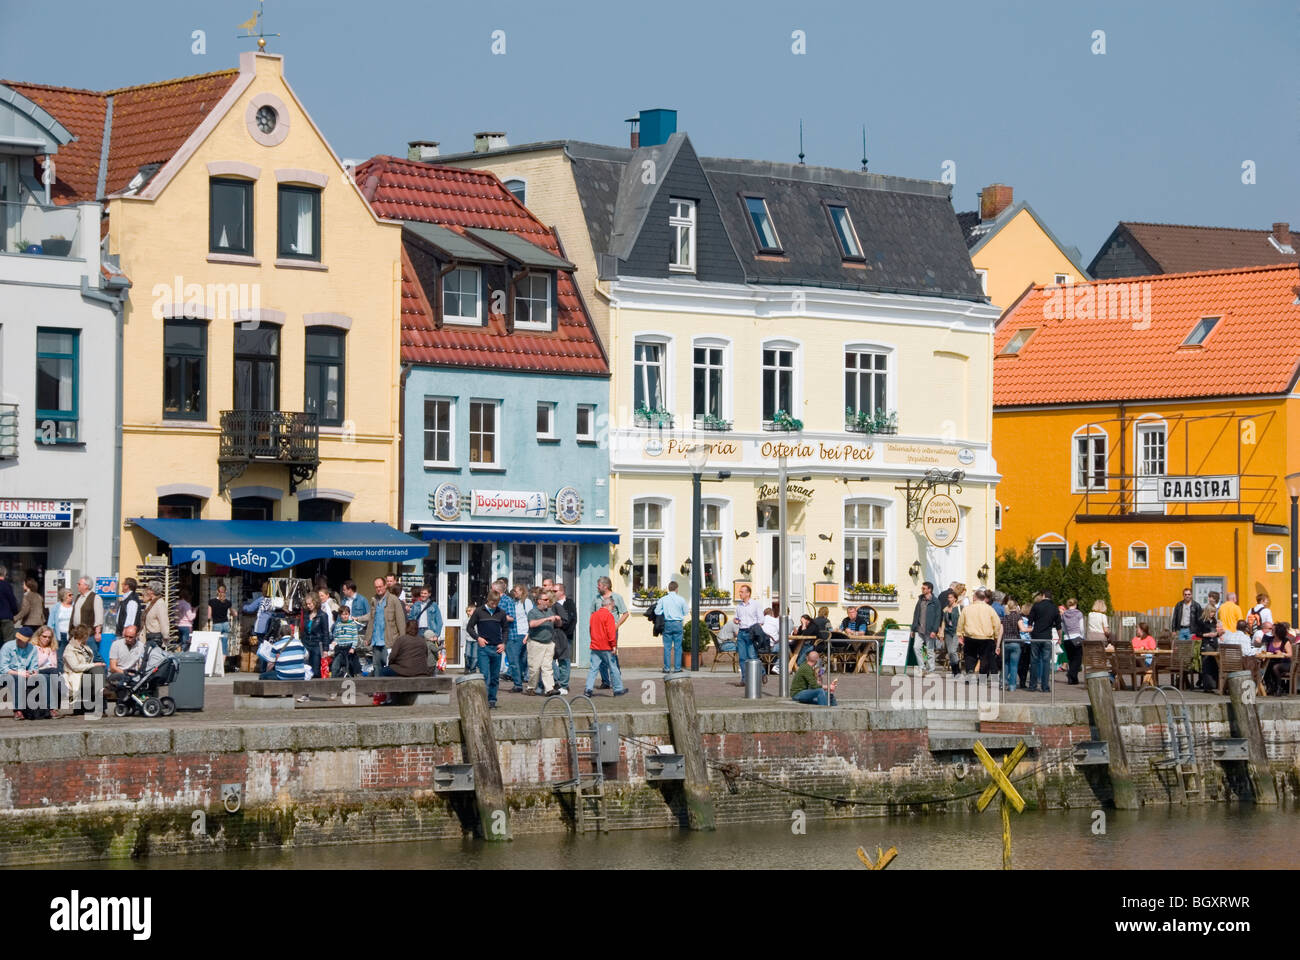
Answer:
(1174, 838)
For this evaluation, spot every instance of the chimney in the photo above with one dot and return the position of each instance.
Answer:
(1282, 234)
(422, 150)
(994, 198)
(656, 127)
(635, 124)
(486, 141)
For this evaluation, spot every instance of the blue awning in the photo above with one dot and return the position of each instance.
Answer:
(506, 533)
(268, 545)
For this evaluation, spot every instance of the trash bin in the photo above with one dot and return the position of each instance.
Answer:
(187, 688)
(752, 671)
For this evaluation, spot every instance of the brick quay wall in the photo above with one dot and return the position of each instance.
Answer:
(135, 788)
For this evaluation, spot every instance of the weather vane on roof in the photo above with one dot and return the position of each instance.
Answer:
(255, 23)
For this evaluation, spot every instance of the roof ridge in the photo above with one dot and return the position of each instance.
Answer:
(230, 71)
(1192, 226)
(1264, 267)
(51, 86)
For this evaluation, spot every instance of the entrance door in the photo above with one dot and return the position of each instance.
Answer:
(1150, 459)
(448, 587)
(769, 572)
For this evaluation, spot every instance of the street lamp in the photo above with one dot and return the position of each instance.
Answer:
(697, 457)
(1293, 488)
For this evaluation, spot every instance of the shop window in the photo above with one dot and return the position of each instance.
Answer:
(185, 361)
(320, 510)
(179, 506)
(252, 508)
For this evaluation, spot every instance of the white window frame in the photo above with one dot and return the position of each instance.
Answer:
(1132, 561)
(1281, 558)
(885, 533)
(590, 435)
(1092, 434)
(1170, 564)
(665, 343)
(676, 224)
(477, 319)
(878, 349)
(533, 324)
(1050, 540)
(713, 343)
(796, 378)
(983, 274)
(495, 464)
(550, 408)
(997, 515)
(722, 536)
(663, 535)
(1101, 547)
(451, 432)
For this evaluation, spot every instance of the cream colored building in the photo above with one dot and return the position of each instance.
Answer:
(730, 290)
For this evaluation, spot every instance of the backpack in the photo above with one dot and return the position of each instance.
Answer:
(1254, 621)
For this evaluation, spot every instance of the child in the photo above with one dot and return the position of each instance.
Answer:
(344, 646)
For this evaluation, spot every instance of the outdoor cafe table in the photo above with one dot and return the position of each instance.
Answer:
(1259, 678)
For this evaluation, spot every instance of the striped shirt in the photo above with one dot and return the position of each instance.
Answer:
(290, 660)
(346, 633)
(519, 610)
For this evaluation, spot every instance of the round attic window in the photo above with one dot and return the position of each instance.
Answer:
(266, 119)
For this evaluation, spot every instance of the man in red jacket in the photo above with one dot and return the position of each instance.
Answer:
(604, 636)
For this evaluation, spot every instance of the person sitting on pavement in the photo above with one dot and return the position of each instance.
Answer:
(805, 687)
(18, 660)
(78, 661)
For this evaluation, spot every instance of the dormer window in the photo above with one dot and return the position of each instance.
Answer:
(533, 302)
(681, 228)
(764, 230)
(1017, 342)
(850, 248)
(1199, 332)
(460, 299)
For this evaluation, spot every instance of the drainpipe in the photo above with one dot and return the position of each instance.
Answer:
(401, 447)
(1123, 447)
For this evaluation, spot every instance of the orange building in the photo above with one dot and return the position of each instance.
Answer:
(1153, 421)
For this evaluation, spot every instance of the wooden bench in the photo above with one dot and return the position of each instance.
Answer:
(284, 694)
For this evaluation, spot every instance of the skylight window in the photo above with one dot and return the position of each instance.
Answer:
(1200, 331)
(845, 233)
(764, 231)
(1017, 342)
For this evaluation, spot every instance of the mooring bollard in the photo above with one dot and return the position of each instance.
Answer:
(479, 748)
(685, 725)
(1243, 715)
(1102, 696)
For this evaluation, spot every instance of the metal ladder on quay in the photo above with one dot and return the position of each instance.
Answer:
(588, 786)
(1179, 743)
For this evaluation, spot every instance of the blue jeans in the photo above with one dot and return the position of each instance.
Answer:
(748, 650)
(820, 697)
(608, 666)
(224, 630)
(184, 633)
(1184, 633)
(561, 673)
(1040, 665)
(604, 667)
(313, 658)
(489, 664)
(378, 660)
(515, 652)
(1011, 655)
(673, 646)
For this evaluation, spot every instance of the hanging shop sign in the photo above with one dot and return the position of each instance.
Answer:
(941, 520)
(568, 505)
(446, 502)
(1197, 489)
(508, 503)
(36, 514)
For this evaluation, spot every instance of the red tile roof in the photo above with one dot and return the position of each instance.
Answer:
(1182, 249)
(1087, 346)
(150, 122)
(454, 198)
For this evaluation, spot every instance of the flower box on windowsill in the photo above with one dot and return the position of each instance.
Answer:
(869, 428)
(715, 601)
(642, 601)
(851, 597)
(776, 426)
(720, 426)
(659, 420)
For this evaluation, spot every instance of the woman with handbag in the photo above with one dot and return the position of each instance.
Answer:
(156, 625)
(316, 633)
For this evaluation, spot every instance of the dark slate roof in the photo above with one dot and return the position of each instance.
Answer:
(968, 221)
(910, 236)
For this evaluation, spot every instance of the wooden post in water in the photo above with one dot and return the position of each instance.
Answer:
(685, 725)
(1243, 715)
(479, 748)
(1102, 696)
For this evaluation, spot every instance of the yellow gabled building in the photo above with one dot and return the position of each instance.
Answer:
(1012, 248)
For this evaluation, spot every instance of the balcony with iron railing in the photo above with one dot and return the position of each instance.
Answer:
(8, 431)
(1259, 497)
(269, 436)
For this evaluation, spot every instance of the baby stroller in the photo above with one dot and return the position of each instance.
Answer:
(137, 690)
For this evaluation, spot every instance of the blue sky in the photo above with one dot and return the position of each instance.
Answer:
(1155, 129)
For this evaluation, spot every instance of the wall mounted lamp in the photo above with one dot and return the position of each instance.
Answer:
(747, 568)
(829, 569)
(914, 570)
(983, 573)
(685, 568)
(626, 568)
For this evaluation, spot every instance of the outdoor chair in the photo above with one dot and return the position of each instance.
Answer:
(1126, 665)
(1095, 657)
(722, 648)
(1182, 669)
(1162, 661)
(1230, 661)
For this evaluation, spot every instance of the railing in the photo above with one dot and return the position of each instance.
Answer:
(36, 229)
(249, 436)
(8, 431)
(1258, 495)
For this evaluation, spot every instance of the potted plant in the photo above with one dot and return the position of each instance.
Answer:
(783, 421)
(714, 596)
(56, 246)
(871, 592)
(710, 422)
(706, 635)
(647, 596)
(652, 417)
(865, 421)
